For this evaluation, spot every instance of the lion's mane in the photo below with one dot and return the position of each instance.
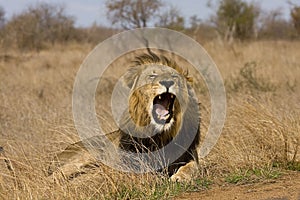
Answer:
(185, 130)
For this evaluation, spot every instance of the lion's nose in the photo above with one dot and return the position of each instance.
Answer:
(167, 84)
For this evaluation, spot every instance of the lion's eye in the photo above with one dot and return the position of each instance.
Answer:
(152, 76)
(175, 76)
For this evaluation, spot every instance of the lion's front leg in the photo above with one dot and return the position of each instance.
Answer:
(185, 173)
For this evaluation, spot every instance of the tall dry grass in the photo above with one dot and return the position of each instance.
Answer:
(262, 127)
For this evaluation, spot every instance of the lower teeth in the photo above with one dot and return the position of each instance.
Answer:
(163, 117)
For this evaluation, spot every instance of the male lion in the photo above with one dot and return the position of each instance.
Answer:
(162, 113)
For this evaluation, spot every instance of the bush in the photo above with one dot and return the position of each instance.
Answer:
(236, 19)
(274, 26)
(295, 14)
(2, 18)
(39, 25)
(248, 80)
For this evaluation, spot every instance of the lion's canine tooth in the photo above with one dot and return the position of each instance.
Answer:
(159, 97)
(172, 96)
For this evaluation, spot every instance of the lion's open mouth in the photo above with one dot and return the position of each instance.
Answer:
(163, 108)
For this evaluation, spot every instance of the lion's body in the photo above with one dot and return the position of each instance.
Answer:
(162, 113)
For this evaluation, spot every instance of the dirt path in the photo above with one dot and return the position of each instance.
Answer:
(285, 188)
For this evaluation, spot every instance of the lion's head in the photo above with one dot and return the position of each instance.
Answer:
(160, 91)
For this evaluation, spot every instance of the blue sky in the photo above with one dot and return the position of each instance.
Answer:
(88, 11)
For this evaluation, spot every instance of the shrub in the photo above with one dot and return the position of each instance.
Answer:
(38, 25)
(236, 18)
(248, 80)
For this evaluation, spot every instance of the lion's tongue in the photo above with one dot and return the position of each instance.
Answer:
(161, 110)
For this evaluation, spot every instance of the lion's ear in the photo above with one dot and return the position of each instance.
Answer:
(130, 77)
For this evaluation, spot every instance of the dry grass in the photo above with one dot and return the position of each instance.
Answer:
(261, 131)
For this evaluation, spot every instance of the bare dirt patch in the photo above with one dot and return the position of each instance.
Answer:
(285, 188)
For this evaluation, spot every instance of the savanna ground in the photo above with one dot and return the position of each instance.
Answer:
(256, 157)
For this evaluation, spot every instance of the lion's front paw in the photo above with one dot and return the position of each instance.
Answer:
(181, 177)
(185, 173)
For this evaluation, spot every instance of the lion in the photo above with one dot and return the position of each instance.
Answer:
(162, 113)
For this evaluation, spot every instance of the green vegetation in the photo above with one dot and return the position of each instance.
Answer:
(253, 175)
(236, 18)
(160, 190)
